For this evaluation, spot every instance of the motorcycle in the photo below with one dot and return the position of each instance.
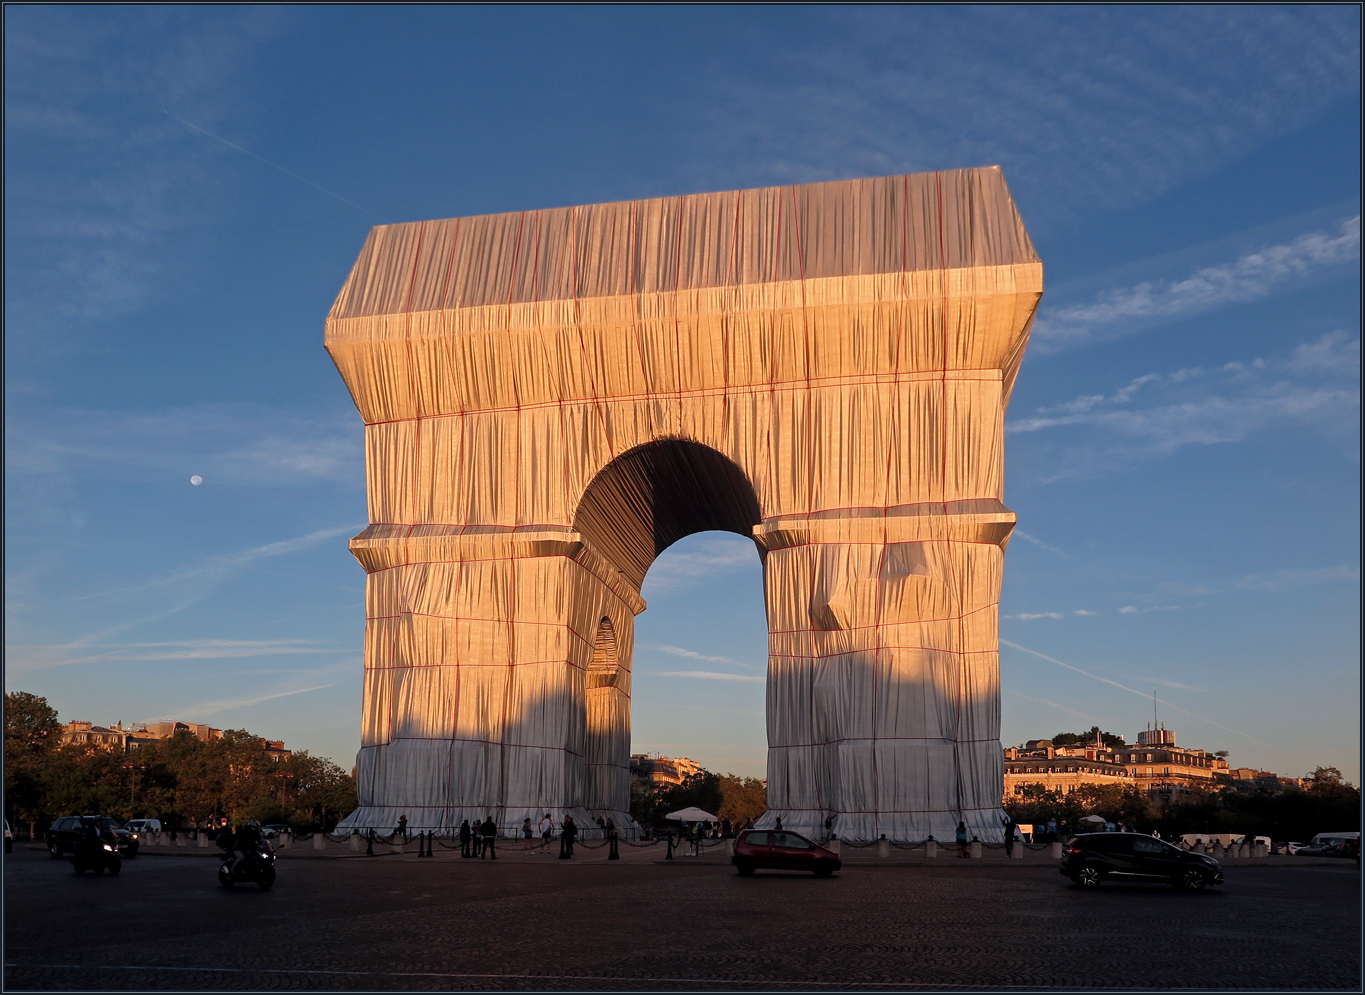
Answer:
(96, 855)
(258, 865)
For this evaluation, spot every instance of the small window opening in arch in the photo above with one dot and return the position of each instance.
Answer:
(603, 669)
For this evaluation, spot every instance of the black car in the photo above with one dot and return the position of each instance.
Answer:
(1092, 858)
(63, 834)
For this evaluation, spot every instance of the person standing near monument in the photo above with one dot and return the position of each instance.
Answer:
(466, 844)
(490, 834)
(402, 829)
(962, 840)
(566, 838)
(547, 828)
(1010, 827)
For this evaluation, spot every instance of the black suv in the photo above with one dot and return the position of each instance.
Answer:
(1091, 858)
(63, 834)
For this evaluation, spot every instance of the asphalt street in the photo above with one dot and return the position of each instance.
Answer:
(399, 922)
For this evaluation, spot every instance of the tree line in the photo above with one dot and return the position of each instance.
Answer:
(180, 780)
(731, 798)
(1329, 804)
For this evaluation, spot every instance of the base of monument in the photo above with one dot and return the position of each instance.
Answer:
(445, 821)
(986, 824)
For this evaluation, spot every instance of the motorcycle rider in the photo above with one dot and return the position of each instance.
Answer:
(246, 841)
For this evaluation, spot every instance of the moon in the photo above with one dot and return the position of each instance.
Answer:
(196, 480)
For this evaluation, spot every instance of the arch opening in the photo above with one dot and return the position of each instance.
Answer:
(650, 497)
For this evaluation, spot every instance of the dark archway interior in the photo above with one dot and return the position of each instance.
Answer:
(649, 498)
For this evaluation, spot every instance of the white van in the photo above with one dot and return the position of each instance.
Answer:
(140, 827)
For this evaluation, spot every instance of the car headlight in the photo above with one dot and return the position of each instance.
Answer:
(108, 846)
(134, 835)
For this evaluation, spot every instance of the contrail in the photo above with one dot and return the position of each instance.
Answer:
(1124, 687)
(272, 165)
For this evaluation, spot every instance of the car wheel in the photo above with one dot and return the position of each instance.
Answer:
(55, 849)
(1088, 876)
(1191, 880)
(745, 867)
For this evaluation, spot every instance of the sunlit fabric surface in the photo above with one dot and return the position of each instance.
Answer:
(553, 397)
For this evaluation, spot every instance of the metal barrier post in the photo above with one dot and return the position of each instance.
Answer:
(614, 853)
(883, 847)
(369, 843)
(319, 840)
(669, 840)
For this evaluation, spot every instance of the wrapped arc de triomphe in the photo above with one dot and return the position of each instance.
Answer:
(551, 398)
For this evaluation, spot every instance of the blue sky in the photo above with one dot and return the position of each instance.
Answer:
(187, 188)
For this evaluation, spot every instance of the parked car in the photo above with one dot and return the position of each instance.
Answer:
(9, 838)
(275, 829)
(140, 826)
(1090, 859)
(63, 834)
(782, 850)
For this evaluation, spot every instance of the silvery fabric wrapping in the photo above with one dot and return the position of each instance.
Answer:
(553, 397)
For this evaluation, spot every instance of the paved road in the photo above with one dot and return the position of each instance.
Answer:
(403, 923)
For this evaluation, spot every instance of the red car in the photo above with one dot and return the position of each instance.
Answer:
(782, 850)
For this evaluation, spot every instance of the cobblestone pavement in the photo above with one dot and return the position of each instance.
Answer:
(404, 923)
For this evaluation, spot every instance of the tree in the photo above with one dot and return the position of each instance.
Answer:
(742, 799)
(1074, 738)
(32, 734)
(700, 790)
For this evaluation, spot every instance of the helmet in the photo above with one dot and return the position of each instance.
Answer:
(254, 824)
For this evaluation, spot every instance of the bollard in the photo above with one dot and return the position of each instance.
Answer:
(883, 847)
(285, 840)
(729, 848)
(203, 839)
(1017, 850)
(614, 853)
(180, 841)
(319, 840)
(355, 842)
(669, 841)
(1198, 847)
(931, 848)
(369, 843)
(975, 849)
(832, 845)
(1056, 850)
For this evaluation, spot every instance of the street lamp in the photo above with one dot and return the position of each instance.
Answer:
(132, 791)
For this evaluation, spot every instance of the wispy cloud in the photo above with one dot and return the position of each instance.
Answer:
(1039, 543)
(1135, 610)
(164, 596)
(1082, 611)
(1030, 616)
(191, 649)
(204, 709)
(1055, 704)
(1283, 580)
(1124, 687)
(884, 89)
(711, 676)
(1158, 413)
(1171, 684)
(1250, 277)
(236, 443)
(683, 565)
(690, 654)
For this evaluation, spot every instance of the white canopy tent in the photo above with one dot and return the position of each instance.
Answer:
(692, 814)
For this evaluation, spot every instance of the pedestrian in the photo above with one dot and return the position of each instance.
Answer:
(696, 838)
(466, 842)
(490, 833)
(1051, 830)
(526, 831)
(566, 838)
(779, 823)
(962, 840)
(613, 853)
(829, 828)
(634, 828)
(1010, 827)
(402, 829)
(547, 828)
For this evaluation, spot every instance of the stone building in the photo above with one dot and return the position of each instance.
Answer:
(1062, 768)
